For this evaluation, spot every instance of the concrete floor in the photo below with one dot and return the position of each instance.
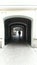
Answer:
(18, 55)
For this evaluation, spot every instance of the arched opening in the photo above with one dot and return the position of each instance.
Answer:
(17, 30)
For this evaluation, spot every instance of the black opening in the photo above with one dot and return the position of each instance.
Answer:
(17, 30)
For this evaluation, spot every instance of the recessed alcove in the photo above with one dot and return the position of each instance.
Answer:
(17, 30)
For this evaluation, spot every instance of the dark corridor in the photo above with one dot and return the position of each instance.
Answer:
(17, 30)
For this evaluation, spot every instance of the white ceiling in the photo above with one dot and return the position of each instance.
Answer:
(18, 2)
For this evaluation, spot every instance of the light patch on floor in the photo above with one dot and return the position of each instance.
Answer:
(18, 55)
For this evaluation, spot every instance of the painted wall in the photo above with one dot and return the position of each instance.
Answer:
(28, 13)
(35, 23)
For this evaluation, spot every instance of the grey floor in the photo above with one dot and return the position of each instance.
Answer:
(18, 55)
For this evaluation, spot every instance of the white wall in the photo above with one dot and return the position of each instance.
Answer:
(28, 13)
(31, 4)
(35, 28)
